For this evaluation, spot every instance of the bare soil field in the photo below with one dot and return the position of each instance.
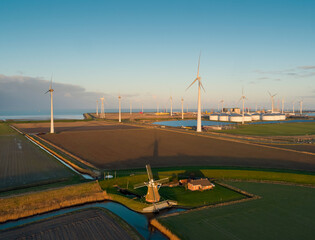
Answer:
(147, 116)
(85, 224)
(22, 163)
(69, 126)
(133, 148)
(298, 147)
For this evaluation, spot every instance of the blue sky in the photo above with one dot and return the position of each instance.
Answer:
(147, 51)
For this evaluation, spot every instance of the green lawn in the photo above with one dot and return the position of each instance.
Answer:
(283, 212)
(197, 198)
(277, 129)
(184, 197)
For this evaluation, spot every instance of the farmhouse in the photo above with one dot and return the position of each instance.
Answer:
(200, 184)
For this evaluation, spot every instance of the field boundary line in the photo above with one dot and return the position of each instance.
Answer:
(239, 141)
(155, 223)
(67, 153)
(272, 182)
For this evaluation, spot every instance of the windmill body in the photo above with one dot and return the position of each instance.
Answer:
(198, 78)
(272, 101)
(171, 99)
(152, 195)
(119, 114)
(52, 129)
(243, 100)
(102, 108)
(96, 107)
(182, 108)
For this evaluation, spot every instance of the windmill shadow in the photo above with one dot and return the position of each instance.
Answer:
(155, 156)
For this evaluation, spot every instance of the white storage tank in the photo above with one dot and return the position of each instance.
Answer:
(271, 117)
(223, 117)
(236, 118)
(283, 117)
(214, 117)
(247, 117)
(256, 117)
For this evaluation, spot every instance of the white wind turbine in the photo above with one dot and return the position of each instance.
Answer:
(293, 107)
(119, 115)
(171, 100)
(199, 100)
(272, 101)
(282, 108)
(243, 99)
(182, 108)
(96, 107)
(301, 104)
(130, 107)
(222, 101)
(52, 129)
(102, 107)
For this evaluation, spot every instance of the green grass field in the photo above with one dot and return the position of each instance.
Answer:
(183, 197)
(277, 129)
(283, 212)
(5, 129)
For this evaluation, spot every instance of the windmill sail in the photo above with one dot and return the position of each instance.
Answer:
(149, 171)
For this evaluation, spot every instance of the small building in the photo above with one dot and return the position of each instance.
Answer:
(200, 184)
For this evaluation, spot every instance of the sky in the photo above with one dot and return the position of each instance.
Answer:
(147, 51)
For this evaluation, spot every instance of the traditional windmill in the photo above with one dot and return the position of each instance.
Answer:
(153, 195)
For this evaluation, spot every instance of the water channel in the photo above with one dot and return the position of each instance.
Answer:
(139, 221)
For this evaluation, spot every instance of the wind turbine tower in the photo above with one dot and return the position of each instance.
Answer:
(130, 108)
(52, 129)
(301, 103)
(282, 108)
(198, 78)
(182, 108)
(293, 107)
(222, 101)
(96, 107)
(102, 107)
(272, 101)
(119, 115)
(243, 99)
(171, 99)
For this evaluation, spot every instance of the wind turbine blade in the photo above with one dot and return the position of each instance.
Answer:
(274, 94)
(46, 92)
(192, 84)
(269, 93)
(202, 86)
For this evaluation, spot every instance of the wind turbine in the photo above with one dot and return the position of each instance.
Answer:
(199, 100)
(119, 115)
(96, 107)
(130, 107)
(282, 108)
(301, 103)
(102, 108)
(272, 101)
(52, 129)
(293, 107)
(171, 99)
(182, 108)
(243, 99)
(222, 101)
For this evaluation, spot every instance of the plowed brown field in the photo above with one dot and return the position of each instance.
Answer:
(133, 148)
(86, 224)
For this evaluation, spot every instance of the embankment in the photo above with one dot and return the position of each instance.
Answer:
(20, 206)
